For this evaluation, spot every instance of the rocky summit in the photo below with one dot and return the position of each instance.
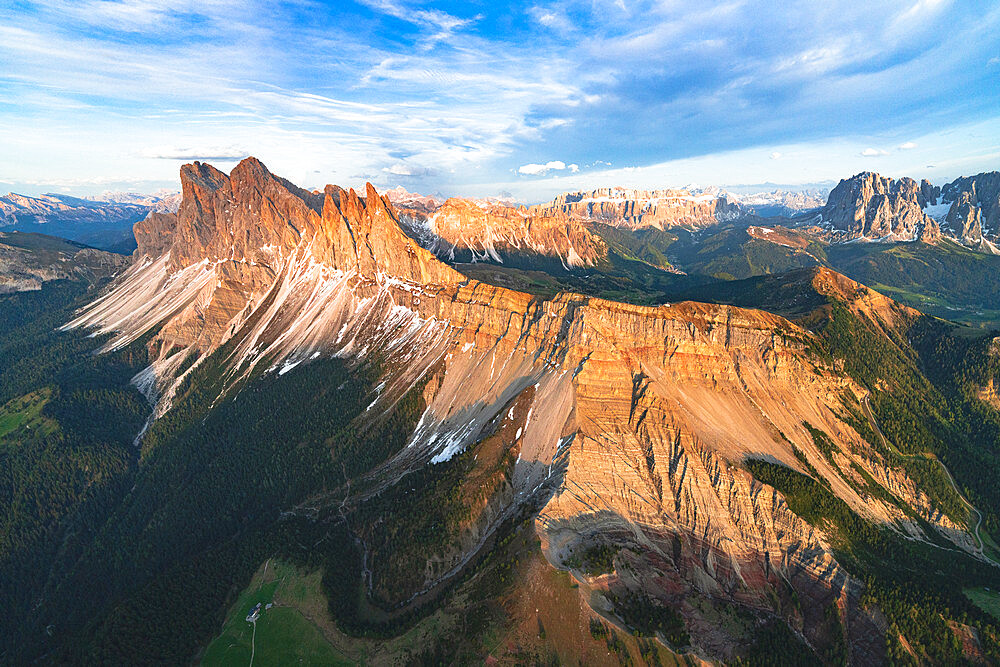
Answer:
(870, 206)
(973, 210)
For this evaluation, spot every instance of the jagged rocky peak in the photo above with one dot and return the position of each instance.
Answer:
(929, 192)
(252, 216)
(965, 219)
(973, 210)
(869, 206)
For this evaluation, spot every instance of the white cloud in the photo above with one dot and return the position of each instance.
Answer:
(375, 102)
(205, 154)
(907, 146)
(403, 169)
(552, 18)
(450, 109)
(919, 12)
(539, 169)
(439, 26)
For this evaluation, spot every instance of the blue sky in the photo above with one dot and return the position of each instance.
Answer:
(481, 97)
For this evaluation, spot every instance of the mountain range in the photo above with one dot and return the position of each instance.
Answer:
(340, 390)
(104, 222)
(649, 246)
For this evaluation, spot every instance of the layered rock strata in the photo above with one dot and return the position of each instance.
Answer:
(468, 231)
(662, 209)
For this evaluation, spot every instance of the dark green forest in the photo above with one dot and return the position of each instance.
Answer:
(119, 555)
(130, 556)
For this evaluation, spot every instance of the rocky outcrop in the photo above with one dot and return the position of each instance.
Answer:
(559, 234)
(965, 220)
(930, 193)
(465, 230)
(663, 209)
(640, 417)
(973, 216)
(876, 208)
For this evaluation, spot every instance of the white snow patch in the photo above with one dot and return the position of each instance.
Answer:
(938, 211)
(288, 365)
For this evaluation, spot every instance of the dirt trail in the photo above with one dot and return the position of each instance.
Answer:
(929, 456)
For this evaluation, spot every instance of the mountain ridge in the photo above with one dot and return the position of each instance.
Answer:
(661, 403)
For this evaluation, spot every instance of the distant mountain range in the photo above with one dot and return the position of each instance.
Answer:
(870, 207)
(104, 222)
(161, 201)
(865, 207)
(29, 260)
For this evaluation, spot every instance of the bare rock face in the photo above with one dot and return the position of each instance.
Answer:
(974, 215)
(468, 231)
(635, 209)
(561, 231)
(965, 219)
(930, 193)
(155, 234)
(637, 420)
(873, 207)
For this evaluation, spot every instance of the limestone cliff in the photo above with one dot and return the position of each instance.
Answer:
(561, 233)
(973, 210)
(467, 231)
(644, 208)
(873, 207)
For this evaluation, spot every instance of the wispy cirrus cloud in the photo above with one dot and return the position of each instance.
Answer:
(201, 154)
(468, 93)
